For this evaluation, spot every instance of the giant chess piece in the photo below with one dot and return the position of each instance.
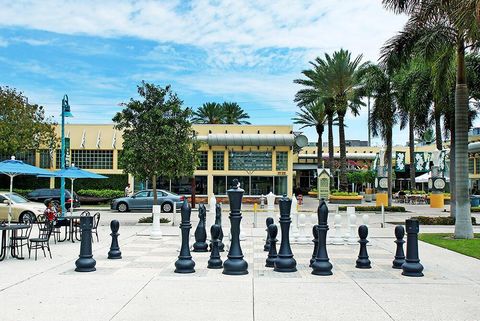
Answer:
(272, 253)
(215, 262)
(363, 262)
(353, 224)
(114, 252)
(322, 265)
(315, 243)
(294, 226)
(285, 261)
(269, 221)
(302, 234)
(218, 221)
(235, 264)
(185, 264)
(412, 265)
(200, 244)
(85, 261)
(399, 254)
(338, 239)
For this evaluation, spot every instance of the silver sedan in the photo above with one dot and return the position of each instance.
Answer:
(143, 200)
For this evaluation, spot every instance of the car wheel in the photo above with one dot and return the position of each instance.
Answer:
(27, 215)
(167, 207)
(122, 207)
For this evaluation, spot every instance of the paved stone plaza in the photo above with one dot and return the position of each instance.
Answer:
(143, 286)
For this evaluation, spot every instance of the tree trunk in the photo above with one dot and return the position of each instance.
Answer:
(452, 169)
(463, 223)
(411, 146)
(330, 145)
(438, 126)
(319, 129)
(193, 191)
(154, 189)
(343, 153)
(388, 163)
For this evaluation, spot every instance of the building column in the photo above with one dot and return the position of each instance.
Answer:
(209, 185)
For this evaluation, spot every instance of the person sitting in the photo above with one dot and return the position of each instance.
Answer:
(50, 212)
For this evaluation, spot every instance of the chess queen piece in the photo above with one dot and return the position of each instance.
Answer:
(235, 264)
(412, 265)
(272, 253)
(114, 252)
(215, 262)
(285, 261)
(399, 254)
(185, 264)
(269, 221)
(322, 265)
(200, 244)
(363, 261)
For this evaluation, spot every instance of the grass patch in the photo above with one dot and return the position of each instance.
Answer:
(149, 219)
(446, 240)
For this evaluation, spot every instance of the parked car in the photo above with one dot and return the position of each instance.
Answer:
(143, 200)
(43, 194)
(21, 207)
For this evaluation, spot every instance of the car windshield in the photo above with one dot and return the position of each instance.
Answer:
(16, 198)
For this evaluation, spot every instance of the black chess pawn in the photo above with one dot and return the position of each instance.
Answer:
(399, 254)
(315, 243)
(363, 261)
(285, 261)
(215, 262)
(412, 265)
(272, 253)
(185, 264)
(269, 221)
(200, 244)
(218, 221)
(114, 252)
(322, 265)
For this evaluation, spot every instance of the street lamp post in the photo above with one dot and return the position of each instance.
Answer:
(65, 113)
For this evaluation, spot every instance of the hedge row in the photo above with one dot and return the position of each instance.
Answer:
(149, 219)
(375, 208)
(439, 220)
(343, 194)
(101, 193)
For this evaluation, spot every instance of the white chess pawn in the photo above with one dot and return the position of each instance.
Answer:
(302, 236)
(338, 239)
(210, 220)
(294, 216)
(314, 219)
(353, 224)
(350, 210)
(365, 219)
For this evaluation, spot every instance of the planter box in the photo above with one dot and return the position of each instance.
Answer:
(345, 199)
(313, 194)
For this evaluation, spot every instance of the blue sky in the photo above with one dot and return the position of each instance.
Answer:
(244, 51)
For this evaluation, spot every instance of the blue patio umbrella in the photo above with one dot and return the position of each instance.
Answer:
(13, 167)
(74, 173)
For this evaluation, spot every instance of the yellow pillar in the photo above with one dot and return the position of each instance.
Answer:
(437, 200)
(382, 199)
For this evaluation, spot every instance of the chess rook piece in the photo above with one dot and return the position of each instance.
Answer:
(235, 264)
(302, 234)
(285, 261)
(338, 239)
(114, 252)
(322, 265)
(272, 253)
(399, 254)
(269, 221)
(200, 244)
(412, 265)
(218, 221)
(215, 262)
(363, 262)
(85, 261)
(185, 264)
(315, 243)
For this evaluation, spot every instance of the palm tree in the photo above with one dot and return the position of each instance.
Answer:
(314, 115)
(209, 113)
(234, 114)
(432, 25)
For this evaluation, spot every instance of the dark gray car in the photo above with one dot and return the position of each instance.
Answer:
(143, 200)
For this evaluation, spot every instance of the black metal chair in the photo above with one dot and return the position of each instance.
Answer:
(96, 221)
(43, 240)
(20, 238)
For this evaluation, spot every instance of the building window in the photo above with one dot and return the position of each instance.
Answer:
(280, 185)
(92, 159)
(250, 161)
(219, 185)
(244, 183)
(201, 185)
(471, 165)
(27, 157)
(282, 161)
(261, 185)
(203, 160)
(477, 165)
(218, 160)
(45, 158)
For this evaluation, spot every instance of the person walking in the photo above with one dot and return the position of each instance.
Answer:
(128, 190)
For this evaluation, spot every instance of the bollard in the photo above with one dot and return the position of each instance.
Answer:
(114, 252)
(383, 216)
(85, 261)
(254, 214)
(412, 265)
(156, 233)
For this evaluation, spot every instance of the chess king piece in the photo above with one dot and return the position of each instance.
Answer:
(114, 252)
(363, 262)
(272, 253)
(200, 244)
(185, 264)
(215, 262)
(235, 264)
(285, 261)
(412, 265)
(322, 265)
(218, 221)
(399, 254)
(269, 221)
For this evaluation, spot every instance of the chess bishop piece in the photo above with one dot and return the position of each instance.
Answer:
(322, 265)
(285, 261)
(268, 222)
(185, 264)
(272, 253)
(215, 262)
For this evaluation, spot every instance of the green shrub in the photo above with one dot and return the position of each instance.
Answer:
(438, 220)
(343, 194)
(415, 192)
(22, 192)
(102, 193)
(149, 219)
(375, 208)
(475, 209)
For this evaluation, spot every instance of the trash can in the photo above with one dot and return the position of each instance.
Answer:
(474, 201)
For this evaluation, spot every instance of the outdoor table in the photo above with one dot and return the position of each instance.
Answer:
(5, 230)
(70, 233)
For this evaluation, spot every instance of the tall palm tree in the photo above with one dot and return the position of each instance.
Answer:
(314, 115)
(434, 24)
(209, 113)
(234, 114)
